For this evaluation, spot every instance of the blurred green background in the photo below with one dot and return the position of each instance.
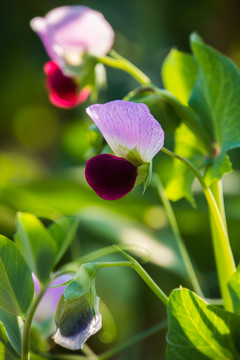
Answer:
(43, 152)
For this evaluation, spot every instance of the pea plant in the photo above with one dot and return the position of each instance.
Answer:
(200, 104)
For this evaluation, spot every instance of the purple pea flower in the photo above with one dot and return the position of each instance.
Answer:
(69, 32)
(134, 136)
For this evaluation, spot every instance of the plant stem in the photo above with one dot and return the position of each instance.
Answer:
(223, 253)
(28, 322)
(173, 223)
(134, 264)
(134, 340)
(224, 272)
(121, 63)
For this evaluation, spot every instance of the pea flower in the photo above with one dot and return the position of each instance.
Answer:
(78, 315)
(63, 90)
(134, 136)
(69, 32)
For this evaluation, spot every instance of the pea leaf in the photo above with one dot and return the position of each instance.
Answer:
(200, 331)
(234, 288)
(10, 334)
(63, 232)
(16, 286)
(214, 96)
(179, 74)
(35, 244)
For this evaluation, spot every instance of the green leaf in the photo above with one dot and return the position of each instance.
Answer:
(179, 73)
(16, 286)
(36, 245)
(215, 98)
(63, 232)
(234, 288)
(188, 146)
(200, 331)
(10, 334)
(81, 282)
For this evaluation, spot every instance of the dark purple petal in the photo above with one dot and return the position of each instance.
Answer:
(63, 90)
(111, 177)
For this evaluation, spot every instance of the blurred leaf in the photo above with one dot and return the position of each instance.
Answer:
(5, 354)
(36, 245)
(81, 282)
(30, 124)
(77, 319)
(17, 167)
(63, 232)
(200, 331)
(10, 331)
(234, 288)
(72, 134)
(160, 248)
(16, 287)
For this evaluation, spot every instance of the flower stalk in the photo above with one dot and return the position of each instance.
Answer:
(222, 250)
(173, 223)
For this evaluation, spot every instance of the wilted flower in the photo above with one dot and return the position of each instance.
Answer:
(63, 90)
(69, 32)
(134, 136)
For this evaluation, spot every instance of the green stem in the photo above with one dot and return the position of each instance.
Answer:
(123, 64)
(134, 340)
(217, 190)
(28, 322)
(74, 265)
(224, 272)
(144, 275)
(223, 253)
(173, 223)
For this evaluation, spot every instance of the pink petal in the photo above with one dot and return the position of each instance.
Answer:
(63, 90)
(110, 177)
(73, 29)
(128, 126)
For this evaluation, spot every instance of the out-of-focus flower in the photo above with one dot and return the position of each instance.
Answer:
(134, 136)
(69, 32)
(49, 302)
(63, 90)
